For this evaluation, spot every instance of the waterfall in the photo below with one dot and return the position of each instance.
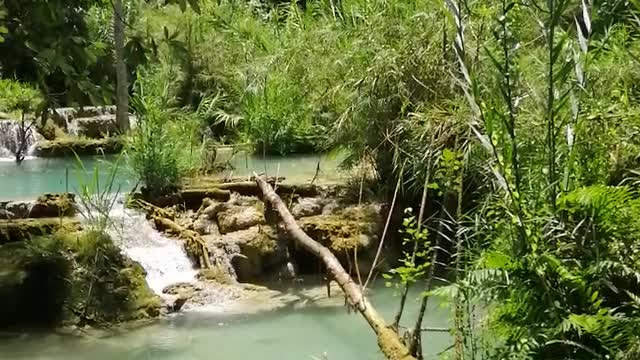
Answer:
(10, 139)
(163, 258)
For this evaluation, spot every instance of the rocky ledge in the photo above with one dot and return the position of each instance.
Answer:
(243, 240)
(68, 146)
(71, 278)
(55, 274)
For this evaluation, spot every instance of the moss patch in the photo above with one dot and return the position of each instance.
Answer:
(67, 146)
(19, 230)
(71, 278)
(53, 205)
(338, 232)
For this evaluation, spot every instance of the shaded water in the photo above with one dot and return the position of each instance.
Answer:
(278, 335)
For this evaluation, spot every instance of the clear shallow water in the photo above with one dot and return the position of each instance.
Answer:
(284, 334)
(36, 176)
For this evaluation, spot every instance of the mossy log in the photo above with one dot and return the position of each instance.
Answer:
(388, 340)
(250, 188)
(164, 221)
(192, 198)
(189, 198)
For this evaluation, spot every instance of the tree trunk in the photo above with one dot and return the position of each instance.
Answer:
(388, 340)
(122, 85)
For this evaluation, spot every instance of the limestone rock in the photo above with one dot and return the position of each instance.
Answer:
(184, 289)
(331, 207)
(259, 252)
(65, 285)
(307, 207)
(6, 214)
(20, 209)
(97, 126)
(339, 233)
(53, 205)
(204, 226)
(211, 208)
(236, 218)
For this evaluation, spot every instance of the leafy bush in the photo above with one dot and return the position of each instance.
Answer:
(154, 152)
(17, 96)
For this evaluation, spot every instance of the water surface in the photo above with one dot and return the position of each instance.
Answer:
(290, 333)
(36, 176)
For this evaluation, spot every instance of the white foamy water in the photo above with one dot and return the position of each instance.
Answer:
(163, 258)
(11, 138)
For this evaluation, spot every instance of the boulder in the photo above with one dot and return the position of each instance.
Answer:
(204, 226)
(235, 218)
(339, 233)
(97, 127)
(6, 214)
(59, 280)
(260, 252)
(19, 230)
(307, 207)
(184, 289)
(20, 209)
(211, 208)
(53, 205)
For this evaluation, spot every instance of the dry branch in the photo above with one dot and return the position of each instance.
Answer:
(388, 340)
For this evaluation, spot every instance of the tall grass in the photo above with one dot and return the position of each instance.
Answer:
(165, 144)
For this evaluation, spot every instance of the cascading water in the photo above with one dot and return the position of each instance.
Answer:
(11, 139)
(163, 258)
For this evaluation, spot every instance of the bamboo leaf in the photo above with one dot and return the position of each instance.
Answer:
(582, 40)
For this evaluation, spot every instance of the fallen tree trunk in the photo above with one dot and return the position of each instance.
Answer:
(388, 340)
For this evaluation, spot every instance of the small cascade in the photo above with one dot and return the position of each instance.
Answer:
(70, 118)
(163, 258)
(10, 138)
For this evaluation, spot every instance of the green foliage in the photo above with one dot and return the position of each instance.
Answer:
(49, 46)
(543, 249)
(164, 145)
(413, 266)
(16, 96)
(96, 200)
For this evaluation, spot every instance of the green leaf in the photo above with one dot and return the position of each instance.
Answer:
(195, 5)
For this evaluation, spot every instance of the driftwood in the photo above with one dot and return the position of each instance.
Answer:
(250, 188)
(388, 340)
(164, 221)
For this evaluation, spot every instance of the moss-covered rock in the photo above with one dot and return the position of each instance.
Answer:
(260, 252)
(71, 278)
(53, 205)
(235, 218)
(67, 146)
(19, 230)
